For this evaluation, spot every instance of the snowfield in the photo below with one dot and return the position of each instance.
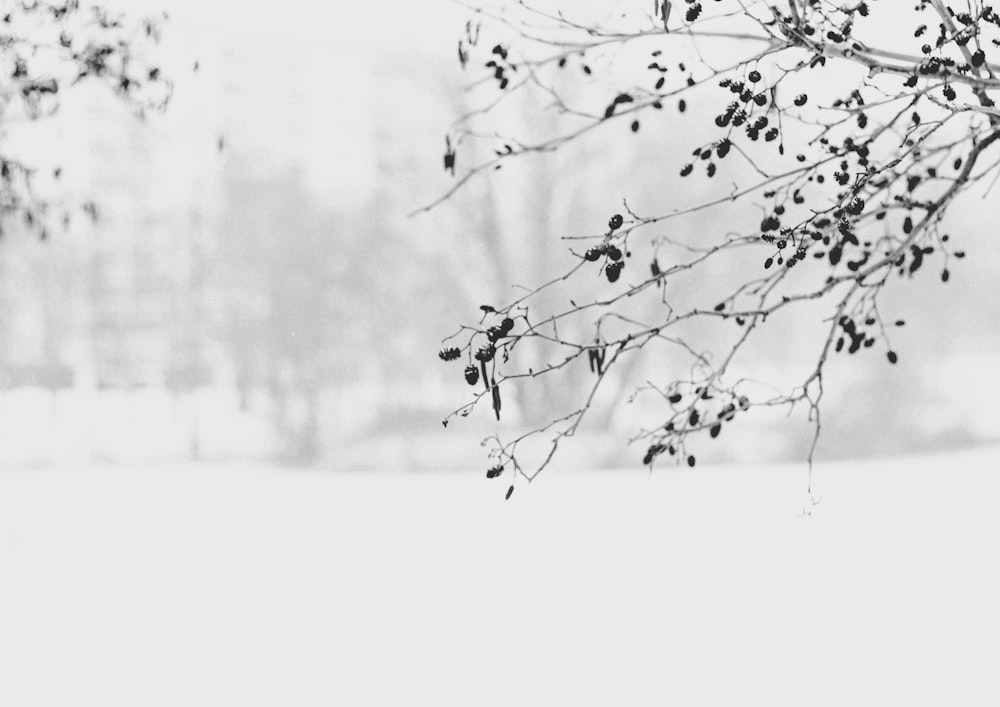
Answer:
(242, 585)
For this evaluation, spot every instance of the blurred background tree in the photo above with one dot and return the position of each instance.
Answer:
(252, 287)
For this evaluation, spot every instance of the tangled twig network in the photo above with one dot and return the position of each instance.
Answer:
(855, 190)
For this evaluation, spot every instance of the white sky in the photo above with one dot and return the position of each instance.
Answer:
(367, 25)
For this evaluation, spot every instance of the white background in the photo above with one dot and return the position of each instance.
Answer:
(228, 585)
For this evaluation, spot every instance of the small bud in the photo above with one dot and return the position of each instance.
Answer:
(486, 353)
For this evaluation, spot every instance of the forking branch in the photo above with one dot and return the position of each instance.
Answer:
(854, 191)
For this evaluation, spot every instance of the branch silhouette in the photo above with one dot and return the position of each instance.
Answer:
(854, 193)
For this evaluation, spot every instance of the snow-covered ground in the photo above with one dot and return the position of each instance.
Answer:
(226, 585)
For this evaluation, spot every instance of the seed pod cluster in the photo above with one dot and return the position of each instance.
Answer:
(695, 411)
(500, 66)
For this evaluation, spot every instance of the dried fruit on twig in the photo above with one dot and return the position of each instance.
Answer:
(496, 399)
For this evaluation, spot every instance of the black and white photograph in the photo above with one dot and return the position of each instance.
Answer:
(499, 352)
